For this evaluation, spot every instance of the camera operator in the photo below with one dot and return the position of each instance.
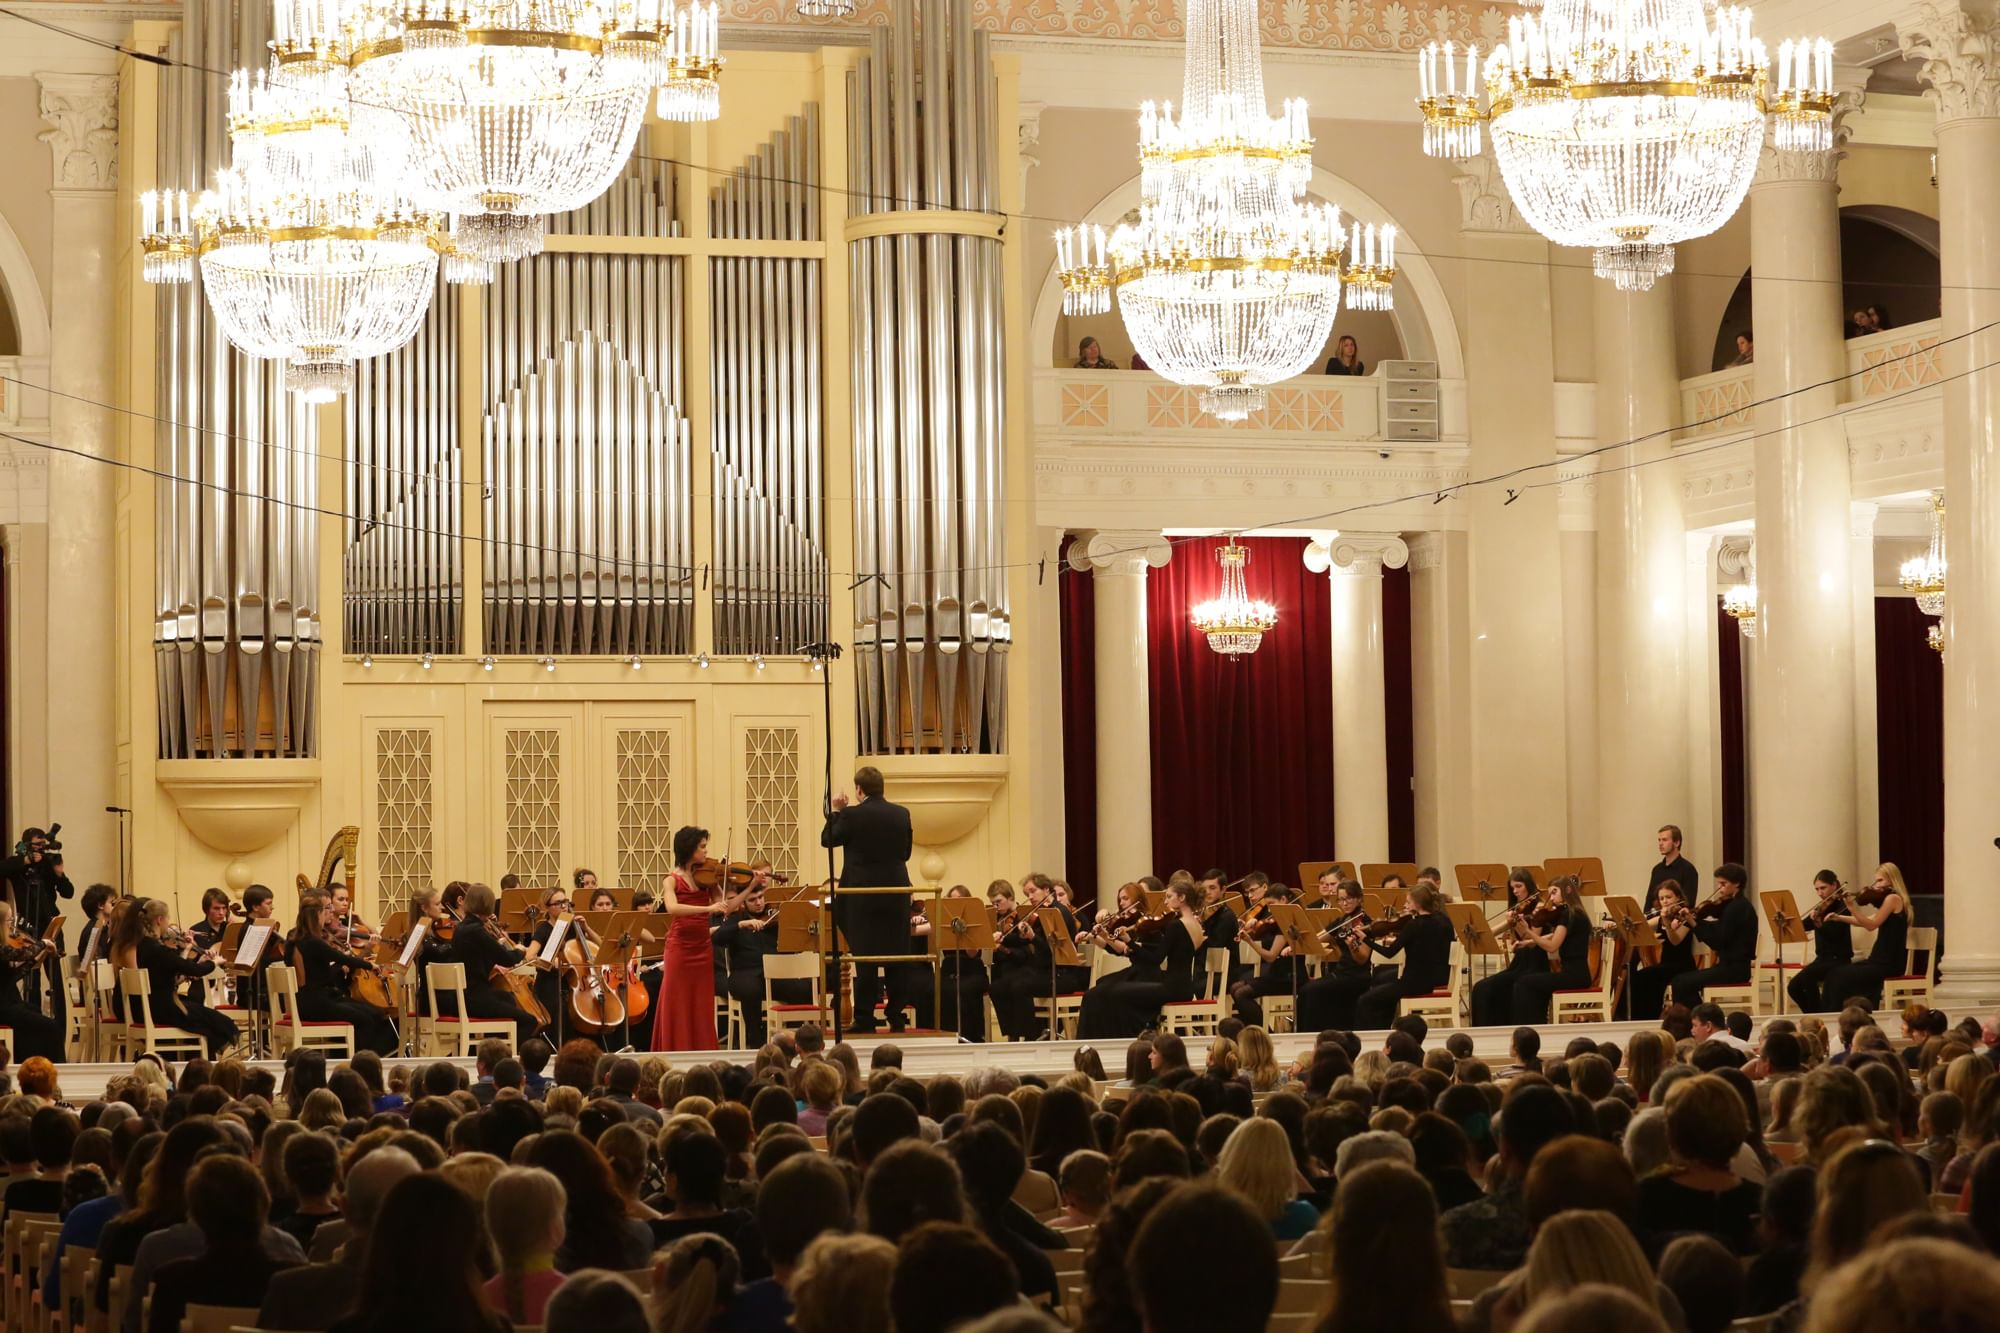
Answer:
(34, 881)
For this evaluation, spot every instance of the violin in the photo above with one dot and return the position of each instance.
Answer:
(1838, 901)
(1388, 925)
(1711, 909)
(1146, 927)
(1019, 917)
(1873, 896)
(731, 875)
(1108, 927)
(1350, 932)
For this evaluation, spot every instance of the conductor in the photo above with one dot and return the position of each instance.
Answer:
(876, 834)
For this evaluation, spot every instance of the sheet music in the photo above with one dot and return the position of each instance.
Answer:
(557, 932)
(255, 938)
(414, 942)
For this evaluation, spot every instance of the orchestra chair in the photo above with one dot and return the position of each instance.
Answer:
(1103, 962)
(1770, 975)
(143, 1037)
(1444, 1008)
(1060, 1013)
(1731, 998)
(217, 1318)
(121, 1291)
(729, 1017)
(455, 1034)
(291, 1033)
(1587, 1004)
(1914, 986)
(114, 1038)
(795, 967)
(1201, 1017)
(76, 1038)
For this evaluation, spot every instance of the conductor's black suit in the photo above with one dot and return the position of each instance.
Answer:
(875, 836)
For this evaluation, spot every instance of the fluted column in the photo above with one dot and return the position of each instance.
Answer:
(1440, 697)
(1642, 769)
(1959, 47)
(1353, 563)
(1118, 562)
(1867, 770)
(1802, 686)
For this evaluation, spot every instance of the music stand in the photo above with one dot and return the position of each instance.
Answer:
(1156, 901)
(1474, 932)
(1234, 902)
(1589, 871)
(1377, 904)
(805, 928)
(1781, 909)
(1307, 939)
(520, 910)
(1375, 873)
(1627, 923)
(969, 922)
(1062, 953)
(246, 953)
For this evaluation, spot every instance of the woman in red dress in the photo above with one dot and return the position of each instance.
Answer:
(685, 1018)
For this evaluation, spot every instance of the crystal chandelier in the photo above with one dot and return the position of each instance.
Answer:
(1923, 574)
(512, 109)
(1740, 601)
(1934, 637)
(1229, 278)
(1235, 624)
(690, 91)
(1627, 125)
(826, 9)
(1371, 267)
(307, 253)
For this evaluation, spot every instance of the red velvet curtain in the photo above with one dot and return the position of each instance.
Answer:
(1735, 791)
(1078, 595)
(1909, 729)
(1242, 751)
(1399, 715)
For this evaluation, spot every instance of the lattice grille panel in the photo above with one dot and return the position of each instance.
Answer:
(771, 795)
(645, 806)
(403, 815)
(534, 805)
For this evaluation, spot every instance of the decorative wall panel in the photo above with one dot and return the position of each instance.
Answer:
(404, 816)
(645, 775)
(532, 768)
(771, 796)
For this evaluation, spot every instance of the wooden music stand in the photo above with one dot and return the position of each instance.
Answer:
(1589, 871)
(1475, 936)
(1625, 921)
(1233, 901)
(1781, 911)
(1379, 904)
(805, 928)
(520, 910)
(1310, 871)
(1374, 873)
(968, 921)
(1156, 901)
(1062, 949)
(1481, 881)
(1301, 929)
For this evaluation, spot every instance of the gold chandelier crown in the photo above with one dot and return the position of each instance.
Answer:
(1234, 622)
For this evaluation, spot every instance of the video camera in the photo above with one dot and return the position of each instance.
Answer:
(50, 841)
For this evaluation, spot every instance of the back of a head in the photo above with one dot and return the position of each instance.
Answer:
(54, 1130)
(880, 1120)
(592, 1300)
(1592, 1308)
(946, 1274)
(228, 1201)
(1375, 1145)
(1586, 1245)
(1908, 1286)
(843, 1283)
(910, 1184)
(1385, 1222)
(991, 1162)
(1147, 1153)
(1861, 1187)
(1706, 1279)
(1530, 1118)
(804, 1196)
(1178, 1296)
(524, 1212)
(1576, 1171)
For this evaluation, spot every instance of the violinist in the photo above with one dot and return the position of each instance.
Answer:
(142, 937)
(323, 968)
(1013, 954)
(478, 944)
(451, 902)
(1283, 970)
(1726, 923)
(1424, 939)
(1560, 934)
(34, 1033)
(1493, 998)
(1218, 921)
(1162, 972)
(355, 934)
(1131, 907)
(207, 932)
(97, 903)
(685, 1016)
(1883, 907)
(1256, 897)
(745, 937)
(549, 984)
(1833, 944)
(427, 909)
(1328, 1002)
(1675, 924)
(965, 983)
(1015, 993)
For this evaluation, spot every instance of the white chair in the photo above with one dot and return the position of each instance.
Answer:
(1444, 1007)
(113, 1038)
(1587, 1004)
(455, 1033)
(289, 1032)
(1914, 986)
(1202, 1016)
(1731, 998)
(1771, 977)
(142, 1036)
(790, 1014)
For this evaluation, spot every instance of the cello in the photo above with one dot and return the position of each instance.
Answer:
(373, 988)
(593, 1005)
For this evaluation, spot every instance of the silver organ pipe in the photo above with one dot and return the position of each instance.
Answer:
(587, 536)
(764, 377)
(236, 628)
(931, 632)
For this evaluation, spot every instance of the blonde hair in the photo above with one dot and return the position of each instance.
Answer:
(1964, 1076)
(1583, 1246)
(1907, 1286)
(1887, 870)
(1372, 1069)
(1861, 1186)
(322, 1110)
(842, 1282)
(524, 1215)
(563, 1101)
(821, 1083)
(1260, 1059)
(473, 1173)
(691, 1279)
(1256, 1163)
(1645, 1056)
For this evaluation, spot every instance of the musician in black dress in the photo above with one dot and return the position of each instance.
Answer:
(1013, 959)
(1284, 971)
(324, 968)
(427, 909)
(964, 983)
(746, 937)
(549, 981)
(1329, 1000)
(1164, 959)
(1015, 992)
(478, 943)
(1565, 951)
(1889, 918)
(1730, 930)
(34, 1033)
(1833, 945)
(1425, 943)
(1493, 997)
(1676, 927)
(142, 937)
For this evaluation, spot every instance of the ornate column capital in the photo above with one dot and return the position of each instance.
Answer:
(1861, 519)
(1119, 551)
(1426, 551)
(1957, 44)
(1357, 554)
(1776, 165)
(82, 112)
(1030, 131)
(1736, 558)
(1483, 201)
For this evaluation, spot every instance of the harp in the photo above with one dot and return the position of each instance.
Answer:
(339, 852)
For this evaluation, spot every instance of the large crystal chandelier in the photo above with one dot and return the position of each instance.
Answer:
(1234, 623)
(1923, 575)
(690, 90)
(513, 109)
(1627, 125)
(307, 252)
(1229, 278)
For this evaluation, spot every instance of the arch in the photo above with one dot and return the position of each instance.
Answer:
(1427, 330)
(24, 293)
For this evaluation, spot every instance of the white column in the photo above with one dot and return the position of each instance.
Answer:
(1801, 690)
(1960, 51)
(1440, 698)
(1353, 563)
(1701, 691)
(82, 114)
(1867, 770)
(1642, 657)
(1118, 562)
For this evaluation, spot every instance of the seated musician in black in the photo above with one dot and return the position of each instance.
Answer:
(1217, 921)
(34, 1032)
(1164, 952)
(1833, 945)
(1564, 948)
(427, 908)
(747, 936)
(324, 968)
(1016, 990)
(207, 932)
(1492, 1001)
(1676, 930)
(963, 983)
(1013, 955)
(1349, 973)
(549, 982)
(1284, 971)
(1425, 943)
(1726, 923)
(479, 945)
(142, 937)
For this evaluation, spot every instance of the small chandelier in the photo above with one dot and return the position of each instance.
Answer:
(1627, 125)
(690, 91)
(1235, 624)
(826, 9)
(1740, 601)
(1934, 636)
(1371, 267)
(1924, 574)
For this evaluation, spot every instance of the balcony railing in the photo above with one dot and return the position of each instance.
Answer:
(1881, 364)
(1110, 404)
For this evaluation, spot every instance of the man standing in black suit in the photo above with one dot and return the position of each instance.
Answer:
(876, 835)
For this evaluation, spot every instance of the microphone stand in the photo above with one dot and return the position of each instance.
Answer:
(825, 652)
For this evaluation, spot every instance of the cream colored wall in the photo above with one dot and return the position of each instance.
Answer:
(25, 177)
(1878, 174)
(1706, 271)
